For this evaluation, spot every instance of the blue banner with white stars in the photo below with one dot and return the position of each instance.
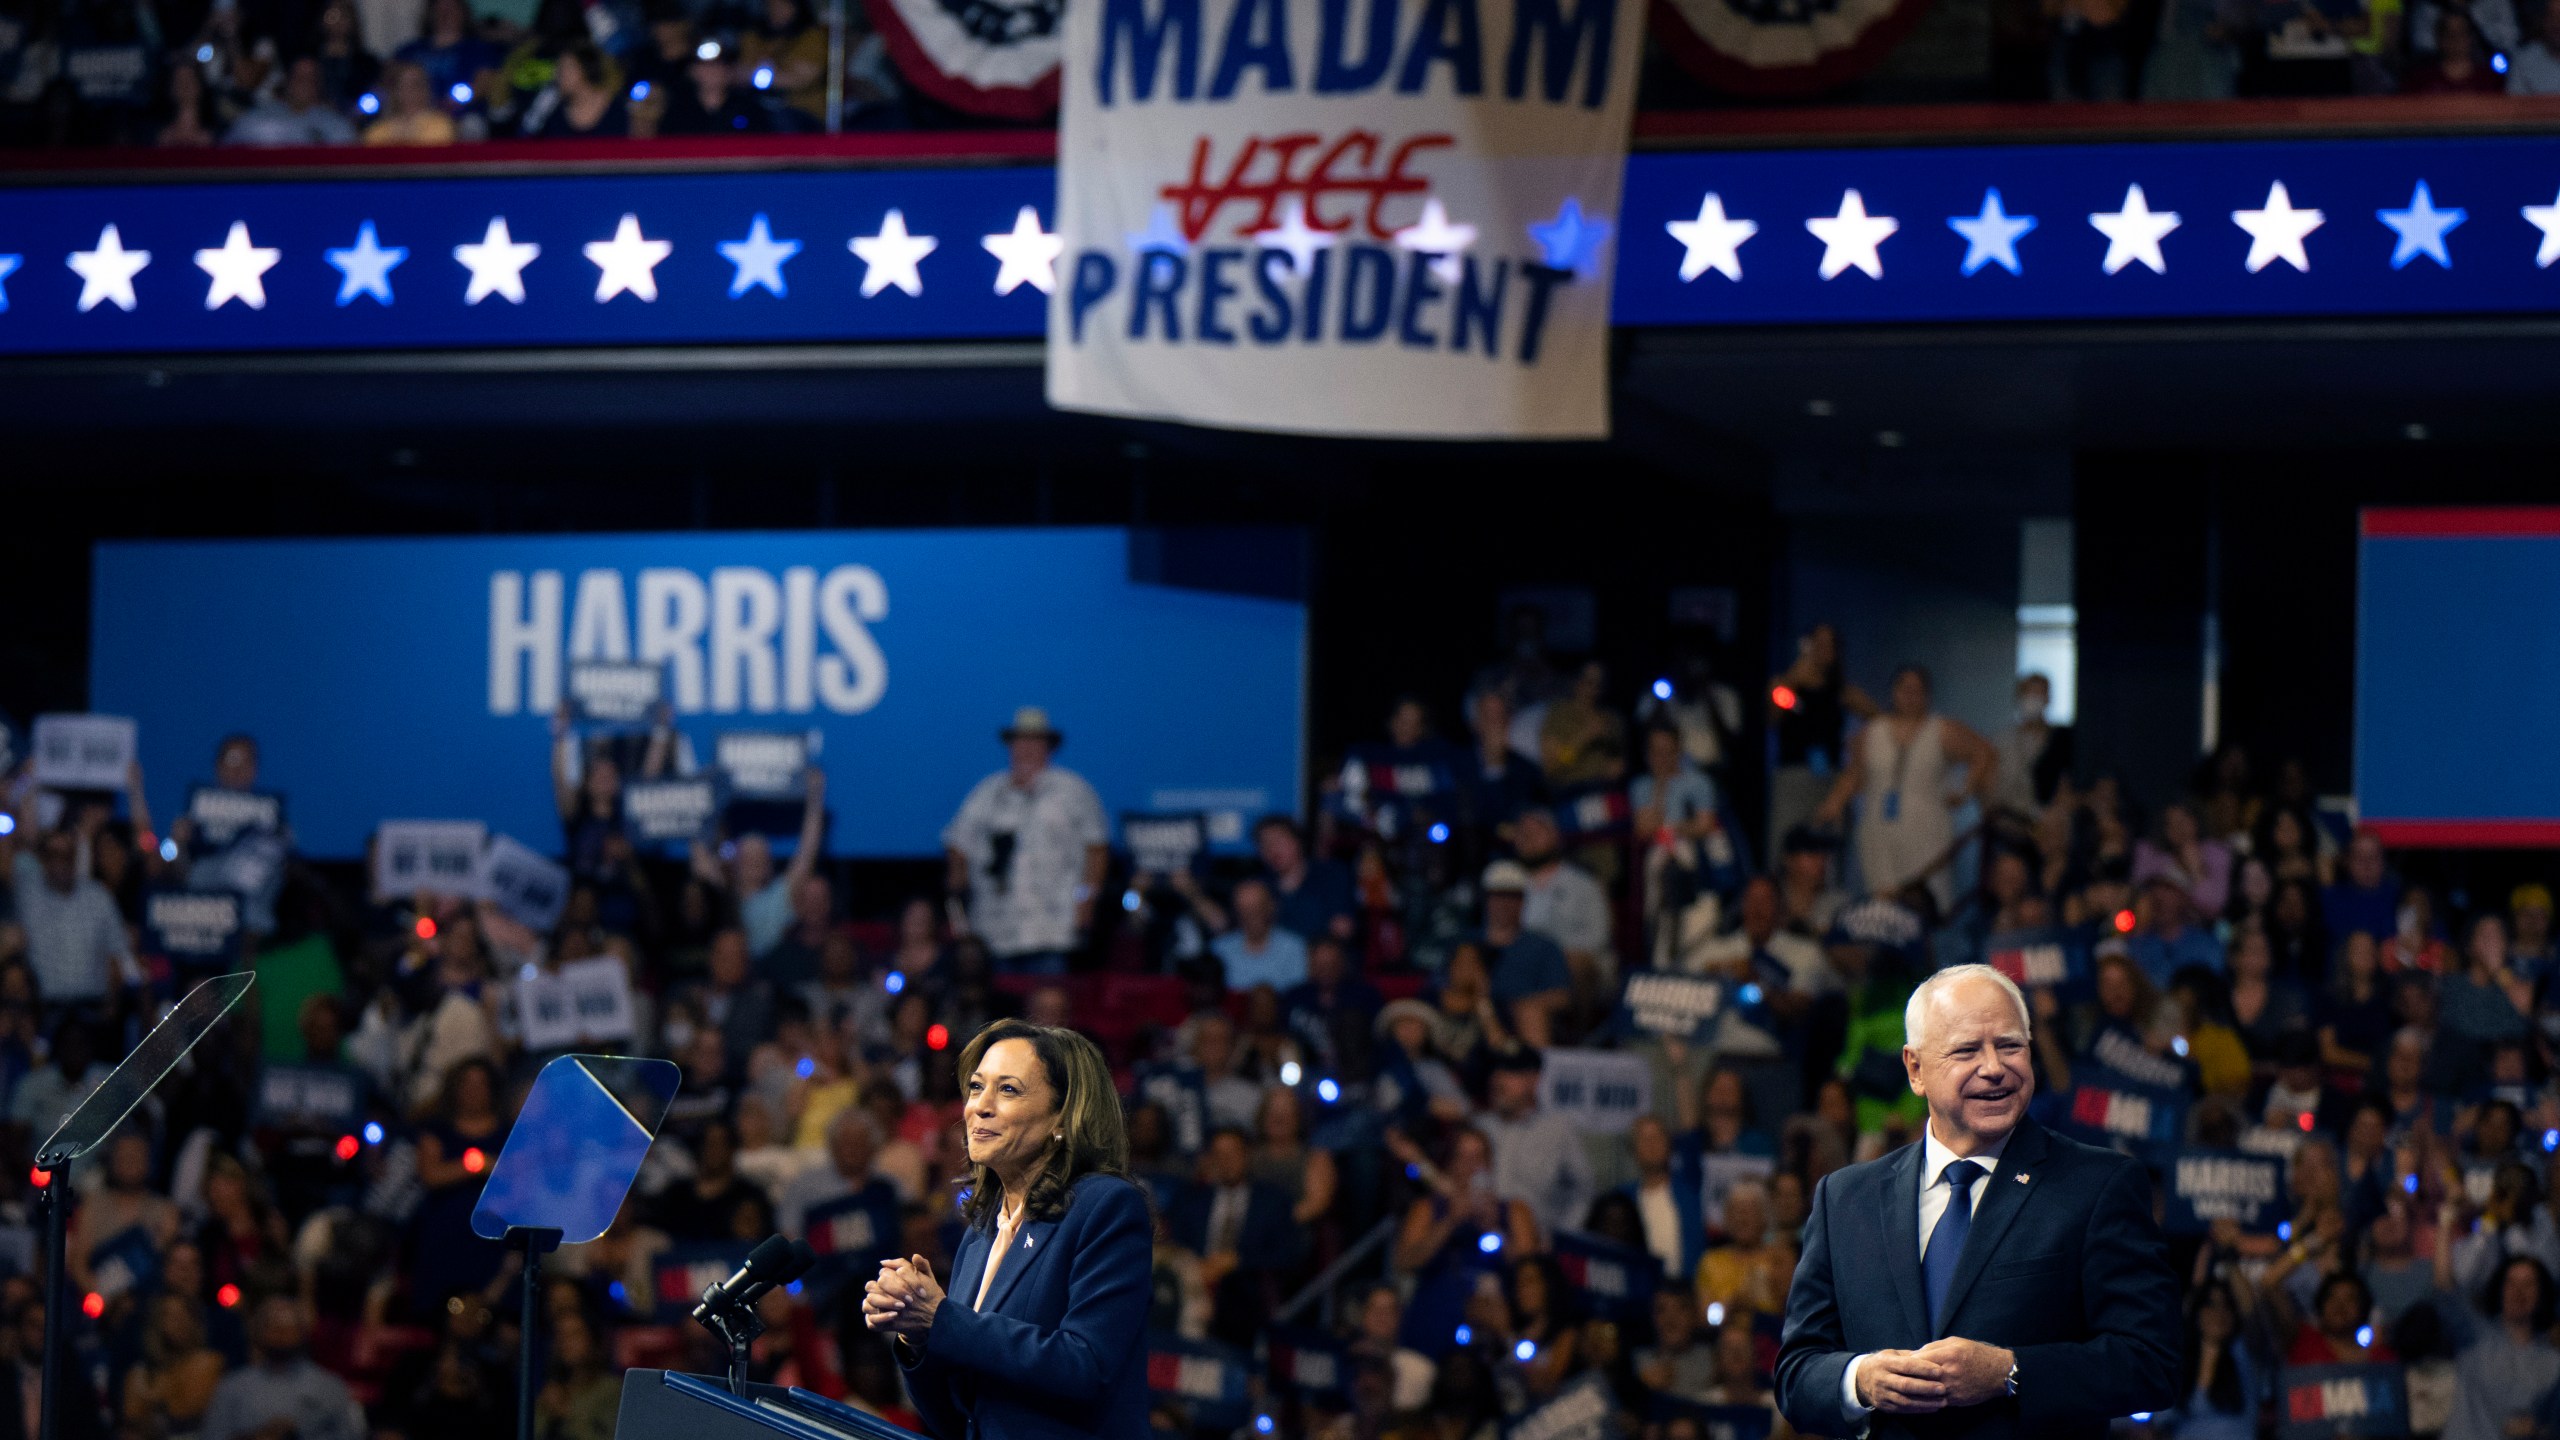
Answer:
(2122, 231)
(2255, 228)
(441, 262)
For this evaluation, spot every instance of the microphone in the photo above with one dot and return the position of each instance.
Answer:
(801, 1261)
(754, 1276)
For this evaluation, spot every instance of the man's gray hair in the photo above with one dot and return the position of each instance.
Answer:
(1915, 1014)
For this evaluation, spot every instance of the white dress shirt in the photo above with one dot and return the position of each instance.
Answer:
(1934, 1194)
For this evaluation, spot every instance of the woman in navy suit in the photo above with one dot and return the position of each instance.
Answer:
(1041, 1336)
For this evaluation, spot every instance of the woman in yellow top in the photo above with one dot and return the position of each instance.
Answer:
(410, 114)
(168, 1393)
(794, 48)
(1749, 1273)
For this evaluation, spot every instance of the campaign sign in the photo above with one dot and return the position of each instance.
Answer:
(1661, 1003)
(222, 816)
(681, 810)
(193, 927)
(437, 856)
(583, 1002)
(852, 1235)
(2041, 956)
(83, 752)
(1311, 1361)
(1207, 1377)
(2118, 1051)
(1164, 844)
(1600, 1091)
(2319, 1402)
(681, 1273)
(1579, 1411)
(1710, 1422)
(615, 692)
(1718, 1174)
(2210, 1185)
(2104, 1107)
(531, 887)
(763, 764)
(1308, 216)
(1181, 1092)
(1617, 1282)
(321, 1099)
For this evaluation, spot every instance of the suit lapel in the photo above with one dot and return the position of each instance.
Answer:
(1993, 1214)
(1902, 1240)
(968, 1265)
(1028, 1246)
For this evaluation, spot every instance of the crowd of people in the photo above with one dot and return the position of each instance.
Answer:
(184, 73)
(2219, 49)
(1335, 1053)
(433, 72)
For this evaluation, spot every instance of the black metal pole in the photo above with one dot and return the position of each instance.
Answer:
(524, 1386)
(57, 1293)
(530, 1241)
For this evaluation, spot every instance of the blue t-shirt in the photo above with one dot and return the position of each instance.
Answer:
(2161, 958)
(1308, 911)
(1281, 964)
(2346, 909)
(1530, 965)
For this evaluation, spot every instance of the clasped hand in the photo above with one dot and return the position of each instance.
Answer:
(1941, 1375)
(901, 1301)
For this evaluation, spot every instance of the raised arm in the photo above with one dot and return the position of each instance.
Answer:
(564, 785)
(813, 828)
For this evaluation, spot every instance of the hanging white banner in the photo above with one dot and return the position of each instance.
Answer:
(1353, 217)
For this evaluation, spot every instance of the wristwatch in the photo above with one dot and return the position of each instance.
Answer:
(2012, 1385)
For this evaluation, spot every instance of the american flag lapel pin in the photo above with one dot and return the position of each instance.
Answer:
(2022, 1177)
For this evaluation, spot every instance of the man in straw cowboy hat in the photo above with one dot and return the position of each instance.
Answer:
(1028, 851)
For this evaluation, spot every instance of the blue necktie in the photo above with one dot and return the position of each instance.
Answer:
(1946, 1243)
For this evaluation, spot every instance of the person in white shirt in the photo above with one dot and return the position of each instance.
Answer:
(1759, 1038)
(1565, 904)
(2535, 69)
(1028, 849)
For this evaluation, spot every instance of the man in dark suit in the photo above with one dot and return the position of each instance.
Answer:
(1243, 1233)
(1995, 1279)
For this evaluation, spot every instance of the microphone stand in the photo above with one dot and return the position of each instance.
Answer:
(737, 1324)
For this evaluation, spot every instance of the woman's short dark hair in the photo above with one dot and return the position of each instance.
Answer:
(2493, 1294)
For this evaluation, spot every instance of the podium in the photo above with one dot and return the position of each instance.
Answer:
(668, 1405)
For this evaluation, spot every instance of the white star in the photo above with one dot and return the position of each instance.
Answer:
(759, 259)
(107, 272)
(2545, 218)
(1991, 238)
(2422, 228)
(496, 264)
(628, 261)
(365, 267)
(1433, 235)
(2135, 232)
(2275, 233)
(238, 270)
(1296, 236)
(1711, 242)
(890, 257)
(1025, 254)
(1163, 233)
(1851, 237)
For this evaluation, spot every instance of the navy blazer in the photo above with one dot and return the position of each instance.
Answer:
(1059, 1352)
(2063, 1265)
